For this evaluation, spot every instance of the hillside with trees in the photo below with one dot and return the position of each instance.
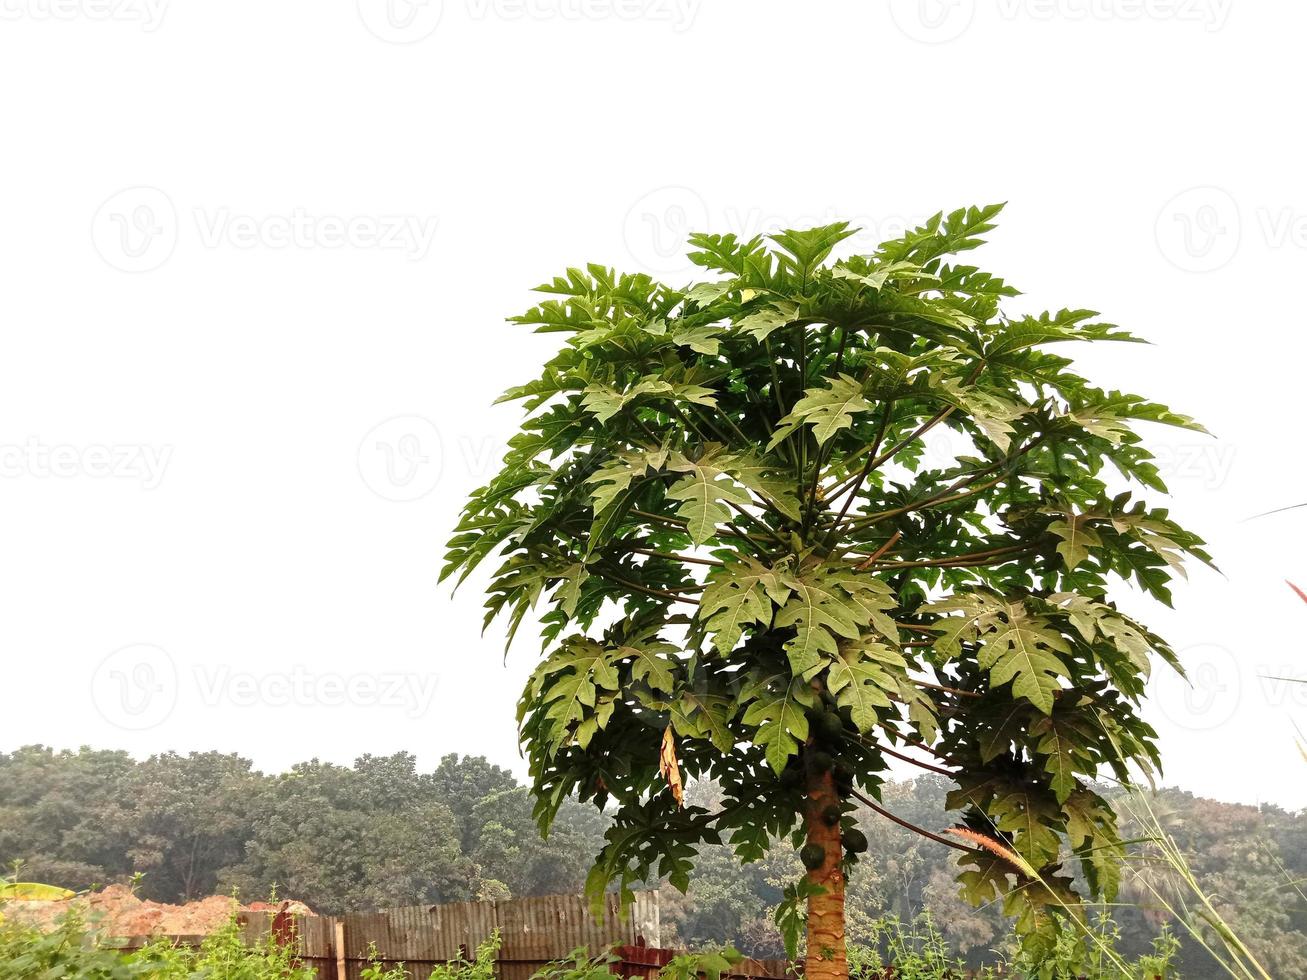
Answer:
(384, 833)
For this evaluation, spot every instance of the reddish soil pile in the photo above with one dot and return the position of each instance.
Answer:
(115, 911)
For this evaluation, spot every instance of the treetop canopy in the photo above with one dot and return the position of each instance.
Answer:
(755, 560)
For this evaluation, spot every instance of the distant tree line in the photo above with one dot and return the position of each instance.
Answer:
(381, 833)
(377, 834)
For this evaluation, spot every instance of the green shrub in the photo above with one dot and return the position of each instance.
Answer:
(375, 971)
(578, 965)
(1093, 953)
(915, 950)
(480, 968)
(71, 951)
(26, 953)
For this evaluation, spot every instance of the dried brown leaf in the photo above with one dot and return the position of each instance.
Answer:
(669, 766)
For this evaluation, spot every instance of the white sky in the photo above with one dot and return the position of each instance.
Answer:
(238, 238)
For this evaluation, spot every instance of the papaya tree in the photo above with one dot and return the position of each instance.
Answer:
(755, 561)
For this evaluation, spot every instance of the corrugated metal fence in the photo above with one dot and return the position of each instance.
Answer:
(532, 931)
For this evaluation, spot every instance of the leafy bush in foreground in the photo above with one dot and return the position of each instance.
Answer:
(72, 952)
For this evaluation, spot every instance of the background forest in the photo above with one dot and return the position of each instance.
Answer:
(381, 833)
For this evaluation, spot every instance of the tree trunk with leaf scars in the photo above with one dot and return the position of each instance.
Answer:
(826, 957)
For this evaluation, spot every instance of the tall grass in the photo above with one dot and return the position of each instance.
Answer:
(1184, 899)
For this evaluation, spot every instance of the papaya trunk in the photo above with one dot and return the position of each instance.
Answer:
(826, 958)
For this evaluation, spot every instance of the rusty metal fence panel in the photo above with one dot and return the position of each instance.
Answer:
(533, 931)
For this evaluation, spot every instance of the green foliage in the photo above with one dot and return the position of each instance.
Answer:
(722, 494)
(71, 951)
(709, 964)
(788, 914)
(1094, 953)
(464, 784)
(372, 836)
(187, 817)
(375, 970)
(915, 951)
(223, 954)
(481, 967)
(579, 965)
(25, 953)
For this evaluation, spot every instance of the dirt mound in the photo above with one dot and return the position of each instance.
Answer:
(115, 911)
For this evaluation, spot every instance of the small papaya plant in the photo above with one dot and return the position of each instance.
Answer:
(754, 564)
